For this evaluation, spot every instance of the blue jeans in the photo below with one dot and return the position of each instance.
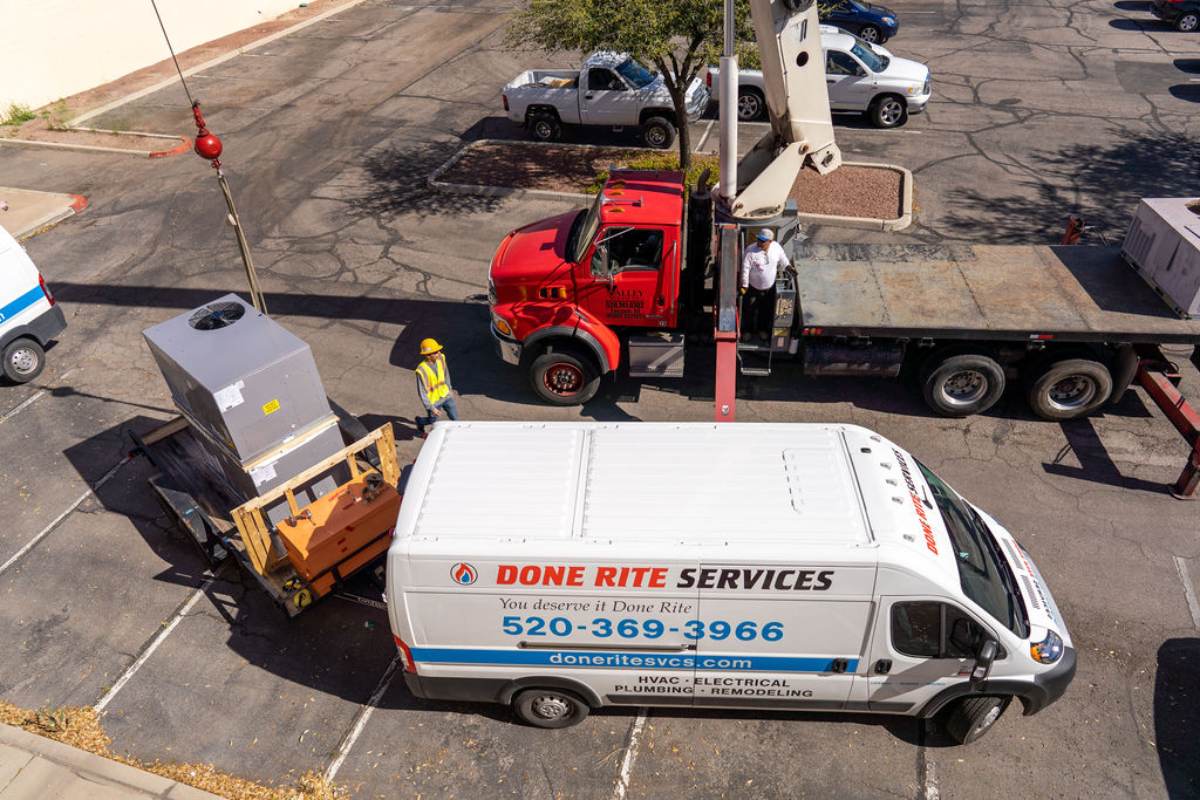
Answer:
(446, 405)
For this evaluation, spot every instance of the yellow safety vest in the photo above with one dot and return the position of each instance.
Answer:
(435, 380)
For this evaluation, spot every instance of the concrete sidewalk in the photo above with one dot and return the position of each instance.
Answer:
(33, 767)
(29, 210)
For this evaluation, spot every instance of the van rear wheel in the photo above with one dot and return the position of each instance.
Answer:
(549, 708)
(972, 717)
(24, 360)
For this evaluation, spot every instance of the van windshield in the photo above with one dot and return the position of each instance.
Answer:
(984, 574)
(583, 229)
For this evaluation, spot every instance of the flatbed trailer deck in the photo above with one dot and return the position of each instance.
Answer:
(991, 292)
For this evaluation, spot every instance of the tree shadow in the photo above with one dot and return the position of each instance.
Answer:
(1100, 183)
(398, 178)
(1177, 716)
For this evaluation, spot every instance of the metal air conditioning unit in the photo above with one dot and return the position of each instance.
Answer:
(1163, 245)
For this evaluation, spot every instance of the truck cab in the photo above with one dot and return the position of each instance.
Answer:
(564, 291)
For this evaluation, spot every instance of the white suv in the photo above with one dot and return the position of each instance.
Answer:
(861, 78)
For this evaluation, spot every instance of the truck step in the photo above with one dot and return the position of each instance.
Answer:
(755, 372)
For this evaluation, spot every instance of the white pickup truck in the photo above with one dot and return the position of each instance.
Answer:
(861, 77)
(610, 89)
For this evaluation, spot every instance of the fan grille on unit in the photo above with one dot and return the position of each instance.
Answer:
(215, 316)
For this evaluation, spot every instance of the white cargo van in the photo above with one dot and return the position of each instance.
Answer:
(560, 567)
(29, 319)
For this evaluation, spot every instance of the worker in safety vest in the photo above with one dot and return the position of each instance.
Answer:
(433, 385)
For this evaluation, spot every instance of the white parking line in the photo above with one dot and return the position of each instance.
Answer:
(1189, 591)
(930, 790)
(360, 721)
(57, 520)
(28, 401)
(150, 648)
(631, 751)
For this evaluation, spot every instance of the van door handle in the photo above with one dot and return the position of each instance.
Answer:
(839, 665)
(883, 666)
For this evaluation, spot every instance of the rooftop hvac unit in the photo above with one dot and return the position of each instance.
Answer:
(1163, 245)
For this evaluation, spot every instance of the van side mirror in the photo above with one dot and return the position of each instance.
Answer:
(983, 662)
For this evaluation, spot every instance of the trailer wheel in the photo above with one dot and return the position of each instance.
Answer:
(24, 360)
(549, 708)
(962, 385)
(658, 132)
(972, 717)
(544, 126)
(562, 378)
(1073, 387)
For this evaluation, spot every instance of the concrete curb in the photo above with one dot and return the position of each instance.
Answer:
(221, 59)
(92, 768)
(872, 223)
(183, 146)
(76, 206)
(863, 223)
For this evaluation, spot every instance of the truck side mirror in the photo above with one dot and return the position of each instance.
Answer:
(600, 264)
(983, 662)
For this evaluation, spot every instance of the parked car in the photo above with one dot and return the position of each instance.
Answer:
(861, 78)
(610, 89)
(874, 23)
(1183, 14)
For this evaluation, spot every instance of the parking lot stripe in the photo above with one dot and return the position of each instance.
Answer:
(1189, 591)
(360, 721)
(32, 543)
(631, 751)
(154, 645)
(28, 401)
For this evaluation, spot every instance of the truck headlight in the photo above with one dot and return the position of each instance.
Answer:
(1048, 650)
(501, 325)
(491, 292)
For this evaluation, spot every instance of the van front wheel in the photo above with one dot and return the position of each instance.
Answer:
(23, 360)
(972, 717)
(549, 708)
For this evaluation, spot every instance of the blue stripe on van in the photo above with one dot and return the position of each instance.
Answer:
(612, 659)
(21, 303)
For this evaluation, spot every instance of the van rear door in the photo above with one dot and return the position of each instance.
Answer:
(778, 636)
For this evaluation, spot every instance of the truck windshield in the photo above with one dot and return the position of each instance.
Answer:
(872, 60)
(583, 230)
(637, 75)
(984, 574)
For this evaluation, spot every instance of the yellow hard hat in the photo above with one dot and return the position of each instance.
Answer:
(429, 347)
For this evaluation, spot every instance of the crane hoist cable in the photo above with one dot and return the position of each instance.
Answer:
(208, 146)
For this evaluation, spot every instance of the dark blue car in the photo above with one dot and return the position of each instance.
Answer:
(874, 23)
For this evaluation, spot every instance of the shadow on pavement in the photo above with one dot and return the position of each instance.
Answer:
(1133, 5)
(1095, 464)
(1177, 716)
(1188, 92)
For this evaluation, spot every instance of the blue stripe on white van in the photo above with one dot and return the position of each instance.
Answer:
(21, 303)
(612, 659)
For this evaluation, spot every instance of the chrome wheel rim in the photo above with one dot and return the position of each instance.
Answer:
(1188, 23)
(965, 387)
(550, 707)
(1072, 393)
(869, 35)
(890, 112)
(748, 107)
(23, 360)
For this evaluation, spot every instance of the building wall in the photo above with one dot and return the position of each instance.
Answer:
(51, 49)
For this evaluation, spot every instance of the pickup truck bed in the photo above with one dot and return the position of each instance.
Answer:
(994, 292)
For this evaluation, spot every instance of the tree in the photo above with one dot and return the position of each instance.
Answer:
(679, 37)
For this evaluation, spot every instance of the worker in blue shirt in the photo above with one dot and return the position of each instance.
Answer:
(433, 385)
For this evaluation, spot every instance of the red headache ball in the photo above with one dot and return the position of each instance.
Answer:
(208, 146)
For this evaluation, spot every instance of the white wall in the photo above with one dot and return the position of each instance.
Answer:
(51, 49)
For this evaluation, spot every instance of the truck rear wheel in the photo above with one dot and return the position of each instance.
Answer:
(544, 126)
(24, 360)
(962, 385)
(549, 708)
(658, 132)
(563, 378)
(972, 717)
(1073, 387)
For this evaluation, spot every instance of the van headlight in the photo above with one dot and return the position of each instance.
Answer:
(1048, 650)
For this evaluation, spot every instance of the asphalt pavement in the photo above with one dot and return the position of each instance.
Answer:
(1040, 110)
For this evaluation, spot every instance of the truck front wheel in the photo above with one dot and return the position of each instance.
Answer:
(562, 378)
(1073, 387)
(658, 132)
(962, 385)
(549, 708)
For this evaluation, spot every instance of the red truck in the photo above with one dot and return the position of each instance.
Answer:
(627, 282)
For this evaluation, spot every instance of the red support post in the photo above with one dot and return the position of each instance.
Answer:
(1185, 419)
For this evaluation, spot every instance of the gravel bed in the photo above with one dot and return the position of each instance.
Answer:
(850, 191)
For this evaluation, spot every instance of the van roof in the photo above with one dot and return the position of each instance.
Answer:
(703, 483)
